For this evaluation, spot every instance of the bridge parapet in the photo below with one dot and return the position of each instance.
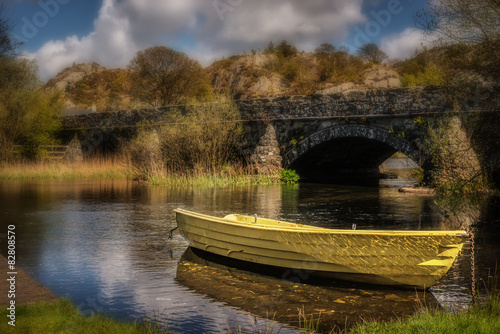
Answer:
(376, 102)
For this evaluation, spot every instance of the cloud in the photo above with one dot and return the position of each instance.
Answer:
(405, 43)
(110, 44)
(204, 29)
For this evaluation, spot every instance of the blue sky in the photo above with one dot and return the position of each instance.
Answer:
(58, 33)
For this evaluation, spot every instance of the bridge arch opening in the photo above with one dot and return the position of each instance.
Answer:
(347, 154)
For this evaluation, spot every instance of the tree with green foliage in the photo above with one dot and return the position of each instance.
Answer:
(371, 52)
(164, 76)
(29, 116)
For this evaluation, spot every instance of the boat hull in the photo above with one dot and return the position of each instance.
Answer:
(397, 258)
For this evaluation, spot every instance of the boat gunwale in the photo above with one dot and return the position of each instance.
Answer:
(309, 229)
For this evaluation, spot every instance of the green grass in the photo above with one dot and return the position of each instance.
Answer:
(212, 181)
(480, 318)
(63, 317)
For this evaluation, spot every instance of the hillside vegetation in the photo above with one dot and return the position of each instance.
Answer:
(282, 70)
(276, 71)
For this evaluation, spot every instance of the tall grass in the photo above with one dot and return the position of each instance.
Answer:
(99, 167)
(211, 180)
(480, 318)
(483, 316)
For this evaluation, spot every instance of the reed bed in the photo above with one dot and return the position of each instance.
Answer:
(95, 168)
(212, 181)
(118, 167)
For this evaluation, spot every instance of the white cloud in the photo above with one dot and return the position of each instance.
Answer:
(404, 44)
(200, 28)
(110, 44)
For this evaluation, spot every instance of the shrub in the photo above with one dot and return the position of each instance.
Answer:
(431, 75)
(29, 116)
(289, 176)
(203, 138)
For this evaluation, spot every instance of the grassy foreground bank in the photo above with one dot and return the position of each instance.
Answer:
(480, 318)
(63, 317)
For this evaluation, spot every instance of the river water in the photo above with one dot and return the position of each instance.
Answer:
(104, 245)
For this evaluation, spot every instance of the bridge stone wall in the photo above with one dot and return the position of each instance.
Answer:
(379, 102)
(325, 134)
(376, 102)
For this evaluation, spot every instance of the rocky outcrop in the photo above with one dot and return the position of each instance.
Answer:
(375, 77)
(247, 77)
(251, 76)
(381, 77)
(243, 77)
(67, 78)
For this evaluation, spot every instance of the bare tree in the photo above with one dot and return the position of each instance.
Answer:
(165, 76)
(473, 27)
(8, 45)
(468, 33)
(370, 52)
(461, 21)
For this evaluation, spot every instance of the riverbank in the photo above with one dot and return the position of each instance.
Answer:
(62, 316)
(27, 290)
(480, 318)
(39, 310)
(119, 168)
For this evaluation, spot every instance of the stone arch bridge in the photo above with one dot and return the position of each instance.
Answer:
(324, 137)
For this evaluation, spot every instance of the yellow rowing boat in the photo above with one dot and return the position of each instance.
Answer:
(401, 258)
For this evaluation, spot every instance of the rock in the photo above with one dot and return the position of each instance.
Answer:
(379, 76)
(341, 88)
(247, 77)
(417, 190)
(67, 78)
(375, 77)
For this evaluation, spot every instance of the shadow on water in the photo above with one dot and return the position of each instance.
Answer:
(281, 294)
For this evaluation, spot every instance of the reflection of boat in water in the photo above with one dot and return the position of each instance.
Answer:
(271, 296)
(400, 258)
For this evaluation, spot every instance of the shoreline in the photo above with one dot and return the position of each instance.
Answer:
(27, 289)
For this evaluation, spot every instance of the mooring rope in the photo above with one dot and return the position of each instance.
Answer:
(473, 264)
